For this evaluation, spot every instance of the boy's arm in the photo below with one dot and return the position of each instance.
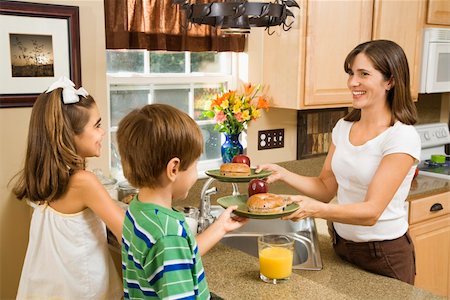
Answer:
(208, 238)
(215, 232)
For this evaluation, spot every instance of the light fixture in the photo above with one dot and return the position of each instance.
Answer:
(238, 16)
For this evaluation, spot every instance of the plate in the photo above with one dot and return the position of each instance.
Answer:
(242, 210)
(216, 175)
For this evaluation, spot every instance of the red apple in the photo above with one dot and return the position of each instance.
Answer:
(257, 186)
(241, 158)
(416, 172)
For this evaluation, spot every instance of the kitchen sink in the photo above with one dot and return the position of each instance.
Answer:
(304, 233)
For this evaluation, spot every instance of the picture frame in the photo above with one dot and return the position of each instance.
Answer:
(38, 44)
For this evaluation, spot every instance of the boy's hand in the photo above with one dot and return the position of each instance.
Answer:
(231, 222)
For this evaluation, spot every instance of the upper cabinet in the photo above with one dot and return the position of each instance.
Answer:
(304, 67)
(438, 12)
(402, 22)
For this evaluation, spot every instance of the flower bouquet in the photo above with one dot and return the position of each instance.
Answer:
(232, 111)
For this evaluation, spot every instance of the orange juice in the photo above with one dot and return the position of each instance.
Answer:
(275, 262)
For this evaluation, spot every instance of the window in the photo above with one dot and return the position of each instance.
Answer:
(181, 79)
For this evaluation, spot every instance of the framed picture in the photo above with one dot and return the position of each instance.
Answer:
(38, 44)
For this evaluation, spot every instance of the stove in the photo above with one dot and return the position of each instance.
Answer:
(434, 161)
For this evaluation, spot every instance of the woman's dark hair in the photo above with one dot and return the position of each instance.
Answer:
(390, 59)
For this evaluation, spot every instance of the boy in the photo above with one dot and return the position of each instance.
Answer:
(159, 147)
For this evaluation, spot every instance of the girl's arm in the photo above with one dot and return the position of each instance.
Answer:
(322, 188)
(385, 183)
(94, 195)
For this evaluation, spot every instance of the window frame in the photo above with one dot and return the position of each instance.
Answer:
(124, 79)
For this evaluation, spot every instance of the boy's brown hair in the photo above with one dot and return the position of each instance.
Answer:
(150, 137)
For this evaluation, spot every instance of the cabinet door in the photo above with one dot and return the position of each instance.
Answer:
(334, 28)
(402, 22)
(438, 12)
(283, 61)
(432, 244)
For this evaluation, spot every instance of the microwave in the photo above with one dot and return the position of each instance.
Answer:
(435, 71)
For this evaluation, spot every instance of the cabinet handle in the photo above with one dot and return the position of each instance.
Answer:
(436, 207)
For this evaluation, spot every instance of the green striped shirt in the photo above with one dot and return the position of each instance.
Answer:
(160, 257)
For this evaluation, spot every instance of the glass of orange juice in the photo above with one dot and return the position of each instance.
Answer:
(276, 253)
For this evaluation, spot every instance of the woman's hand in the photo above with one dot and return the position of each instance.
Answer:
(229, 222)
(278, 173)
(308, 207)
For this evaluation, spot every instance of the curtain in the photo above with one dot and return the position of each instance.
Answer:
(161, 25)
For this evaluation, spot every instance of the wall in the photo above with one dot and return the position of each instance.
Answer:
(14, 214)
(275, 118)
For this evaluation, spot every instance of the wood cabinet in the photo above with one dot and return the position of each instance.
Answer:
(430, 231)
(304, 67)
(402, 22)
(438, 12)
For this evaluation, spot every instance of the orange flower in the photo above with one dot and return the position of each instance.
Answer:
(248, 89)
(262, 103)
(233, 110)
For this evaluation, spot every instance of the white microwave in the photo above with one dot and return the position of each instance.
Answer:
(435, 73)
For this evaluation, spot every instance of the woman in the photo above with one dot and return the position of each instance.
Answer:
(369, 166)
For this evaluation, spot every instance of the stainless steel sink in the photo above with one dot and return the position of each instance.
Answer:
(304, 233)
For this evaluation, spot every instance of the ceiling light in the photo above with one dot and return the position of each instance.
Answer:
(238, 16)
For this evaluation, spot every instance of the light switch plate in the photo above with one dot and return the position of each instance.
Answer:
(270, 139)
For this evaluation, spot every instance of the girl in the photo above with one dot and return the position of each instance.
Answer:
(369, 166)
(67, 255)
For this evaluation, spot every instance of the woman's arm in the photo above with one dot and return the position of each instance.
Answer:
(322, 188)
(387, 179)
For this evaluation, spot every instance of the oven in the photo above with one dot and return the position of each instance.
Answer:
(434, 161)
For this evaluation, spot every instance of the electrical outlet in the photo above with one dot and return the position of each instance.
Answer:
(270, 139)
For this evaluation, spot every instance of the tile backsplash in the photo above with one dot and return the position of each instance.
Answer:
(314, 126)
(429, 108)
(314, 130)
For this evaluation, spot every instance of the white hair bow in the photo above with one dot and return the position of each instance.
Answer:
(70, 94)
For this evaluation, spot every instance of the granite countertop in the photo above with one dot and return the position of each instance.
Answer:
(233, 274)
(424, 186)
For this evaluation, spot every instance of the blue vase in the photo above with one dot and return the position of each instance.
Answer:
(231, 147)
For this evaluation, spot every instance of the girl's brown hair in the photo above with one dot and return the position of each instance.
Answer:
(388, 58)
(150, 137)
(51, 154)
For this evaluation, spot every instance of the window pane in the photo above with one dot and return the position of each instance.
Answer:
(167, 62)
(210, 62)
(124, 101)
(125, 61)
(177, 97)
(212, 142)
(202, 97)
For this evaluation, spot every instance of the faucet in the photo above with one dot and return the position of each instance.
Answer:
(205, 218)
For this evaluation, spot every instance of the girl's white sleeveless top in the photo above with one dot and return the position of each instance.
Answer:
(68, 258)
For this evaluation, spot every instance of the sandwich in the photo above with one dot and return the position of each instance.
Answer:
(266, 203)
(234, 170)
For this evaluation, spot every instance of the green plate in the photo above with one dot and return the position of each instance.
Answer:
(242, 210)
(216, 174)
